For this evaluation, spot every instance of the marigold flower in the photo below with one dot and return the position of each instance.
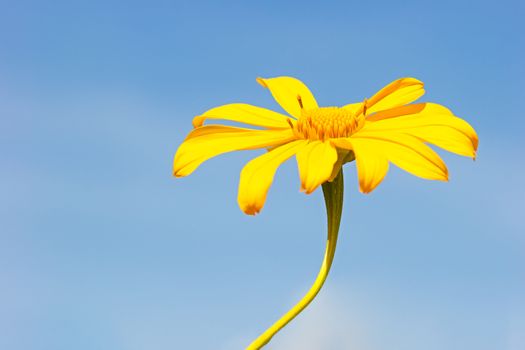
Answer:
(385, 128)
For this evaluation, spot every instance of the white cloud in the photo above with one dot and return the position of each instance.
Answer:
(329, 323)
(374, 318)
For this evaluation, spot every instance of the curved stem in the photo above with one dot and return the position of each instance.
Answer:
(333, 196)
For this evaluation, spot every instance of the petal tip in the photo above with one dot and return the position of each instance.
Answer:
(179, 172)
(197, 121)
(261, 82)
(309, 190)
(251, 210)
(365, 190)
(412, 81)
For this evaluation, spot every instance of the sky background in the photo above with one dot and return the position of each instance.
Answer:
(101, 249)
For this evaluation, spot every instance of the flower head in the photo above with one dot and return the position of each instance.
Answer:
(385, 128)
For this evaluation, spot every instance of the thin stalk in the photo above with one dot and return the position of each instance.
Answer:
(333, 197)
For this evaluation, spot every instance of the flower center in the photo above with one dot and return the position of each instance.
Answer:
(327, 122)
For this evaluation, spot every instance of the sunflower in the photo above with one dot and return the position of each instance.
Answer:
(385, 128)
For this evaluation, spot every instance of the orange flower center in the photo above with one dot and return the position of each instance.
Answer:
(327, 122)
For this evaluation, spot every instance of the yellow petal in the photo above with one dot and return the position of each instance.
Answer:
(316, 163)
(209, 141)
(290, 93)
(397, 93)
(405, 151)
(257, 176)
(372, 165)
(245, 113)
(431, 123)
(416, 108)
(447, 138)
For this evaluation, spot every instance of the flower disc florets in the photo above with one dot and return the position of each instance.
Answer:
(328, 122)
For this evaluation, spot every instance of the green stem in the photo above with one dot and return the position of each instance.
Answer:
(333, 197)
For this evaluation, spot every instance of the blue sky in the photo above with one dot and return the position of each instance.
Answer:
(100, 248)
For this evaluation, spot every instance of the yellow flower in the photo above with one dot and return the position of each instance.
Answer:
(383, 129)
(386, 128)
